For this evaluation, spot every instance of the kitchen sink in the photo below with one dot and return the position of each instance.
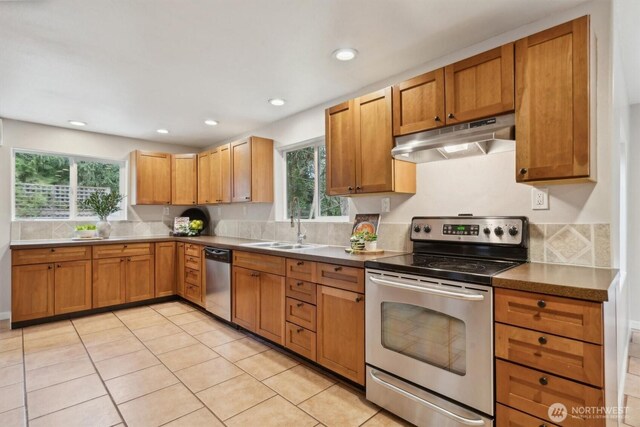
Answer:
(283, 246)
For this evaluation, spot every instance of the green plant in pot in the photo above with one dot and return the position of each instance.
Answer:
(370, 241)
(102, 204)
(357, 241)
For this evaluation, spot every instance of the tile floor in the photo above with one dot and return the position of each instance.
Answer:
(167, 364)
(632, 383)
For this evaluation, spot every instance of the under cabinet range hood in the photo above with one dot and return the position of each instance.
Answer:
(487, 136)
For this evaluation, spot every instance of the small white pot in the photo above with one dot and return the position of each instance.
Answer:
(370, 246)
(103, 228)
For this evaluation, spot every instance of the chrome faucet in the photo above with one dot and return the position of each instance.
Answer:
(296, 212)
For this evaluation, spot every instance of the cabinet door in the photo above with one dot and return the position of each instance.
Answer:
(341, 149)
(418, 103)
(215, 177)
(245, 295)
(180, 268)
(140, 278)
(552, 103)
(32, 291)
(272, 313)
(340, 322)
(204, 178)
(374, 141)
(165, 266)
(480, 86)
(72, 286)
(109, 282)
(152, 178)
(225, 173)
(184, 179)
(241, 171)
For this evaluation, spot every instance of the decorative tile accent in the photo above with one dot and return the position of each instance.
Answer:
(577, 244)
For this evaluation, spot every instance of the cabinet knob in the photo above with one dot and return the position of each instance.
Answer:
(523, 171)
(543, 380)
(247, 197)
(451, 116)
(299, 283)
(542, 304)
(358, 188)
(350, 188)
(299, 330)
(337, 268)
(121, 259)
(543, 425)
(436, 118)
(53, 249)
(126, 246)
(358, 298)
(300, 304)
(129, 259)
(194, 202)
(58, 265)
(300, 263)
(542, 340)
(206, 201)
(50, 267)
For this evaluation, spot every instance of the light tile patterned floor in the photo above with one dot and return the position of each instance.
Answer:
(166, 364)
(632, 383)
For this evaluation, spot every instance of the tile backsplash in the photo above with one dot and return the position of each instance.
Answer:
(37, 230)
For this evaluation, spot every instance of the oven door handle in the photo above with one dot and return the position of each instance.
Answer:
(433, 406)
(427, 290)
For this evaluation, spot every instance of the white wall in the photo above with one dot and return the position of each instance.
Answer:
(68, 141)
(633, 262)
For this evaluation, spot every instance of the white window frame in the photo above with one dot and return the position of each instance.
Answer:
(315, 142)
(73, 184)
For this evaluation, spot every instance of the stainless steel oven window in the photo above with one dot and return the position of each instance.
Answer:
(425, 335)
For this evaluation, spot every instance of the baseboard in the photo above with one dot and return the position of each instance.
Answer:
(634, 324)
(625, 367)
(5, 315)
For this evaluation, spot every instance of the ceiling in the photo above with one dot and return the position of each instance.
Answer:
(130, 67)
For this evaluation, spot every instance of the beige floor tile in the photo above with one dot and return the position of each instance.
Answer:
(11, 375)
(240, 349)
(235, 395)
(96, 412)
(11, 397)
(157, 331)
(635, 336)
(47, 330)
(219, 336)
(49, 342)
(5, 324)
(47, 400)
(632, 415)
(632, 385)
(130, 313)
(192, 316)
(106, 336)
(172, 308)
(386, 419)
(14, 418)
(160, 407)
(14, 343)
(339, 406)
(139, 322)
(634, 366)
(187, 356)
(202, 326)
(114, 349)
(634, 349)
(54, 356)
(10, 333)
(97, 323)
(136, 384)
(125, 364)
(275, 412)
(10, 357)
(59, 373)
(170, 342)
(200, 418)
(266, 364)
(298, 383)
(207, 374)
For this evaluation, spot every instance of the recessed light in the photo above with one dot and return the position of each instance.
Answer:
(211, 122)
(278, 102)
(345, 54)
(163, 131)
(77, 123)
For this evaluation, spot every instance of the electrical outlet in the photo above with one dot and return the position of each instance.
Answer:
(165, 210)
(539, 198)
(386, 205)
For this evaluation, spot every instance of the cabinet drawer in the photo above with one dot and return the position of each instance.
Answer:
(47, 255)
(338, 276)
(192, 276)
(565, 317)
(507, 417)
(125, 249)
(299, 289)
(303, 270)
(534, 392)
(192, 262)
(192, 292)
(301, 313)
(260, 262)
(192, 250)
(300, 340)
(562, 356)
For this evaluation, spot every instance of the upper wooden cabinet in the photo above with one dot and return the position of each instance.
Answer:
(418, 103)
(222, 173)
(205, 193)
(480, 86)
(214, 175)
(552, 104)
(252, 170)
(150, 178)
(184, 179)
(359, 140)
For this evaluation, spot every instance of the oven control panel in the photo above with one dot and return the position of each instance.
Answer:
(470, 229)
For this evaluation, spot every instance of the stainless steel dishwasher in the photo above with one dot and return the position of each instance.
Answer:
(218, 267)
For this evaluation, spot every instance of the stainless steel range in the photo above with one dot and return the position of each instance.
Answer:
(429, 319)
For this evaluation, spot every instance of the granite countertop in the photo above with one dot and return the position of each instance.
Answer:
(585, 283)
(330, 254)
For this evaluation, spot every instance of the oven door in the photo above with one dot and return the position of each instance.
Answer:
(434, 333)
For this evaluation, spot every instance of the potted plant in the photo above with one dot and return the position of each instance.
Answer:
(86, 231)
(370, 241)
(102, 204)
(357, 241)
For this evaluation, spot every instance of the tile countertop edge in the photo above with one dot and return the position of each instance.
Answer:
(584, 283)
(329, 254)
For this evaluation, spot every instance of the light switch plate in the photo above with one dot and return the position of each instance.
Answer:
(539, 198)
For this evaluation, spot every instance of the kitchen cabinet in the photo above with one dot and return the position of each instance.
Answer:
(205, 189)
(72, 286)
(224, 174)
(184, 179)
(109, 282)
(32, 291)
(165, 268)
(359, 140)
(418, 103)
(252, 170)
(552, 105)
(179, 269)
(271, 313)
(140, 278)
(150, 178)
(194, 288)
(245, 298)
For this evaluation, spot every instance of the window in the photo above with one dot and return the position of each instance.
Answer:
(50, 186)
(307, 180)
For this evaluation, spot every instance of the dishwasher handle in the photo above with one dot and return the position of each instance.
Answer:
(217, 254)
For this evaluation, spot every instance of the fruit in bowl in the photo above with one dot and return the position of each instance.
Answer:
(85, 231)
(196, 226)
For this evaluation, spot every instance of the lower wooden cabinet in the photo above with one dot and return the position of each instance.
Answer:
(140, 278)
(72, 289)
(179, 269)
(245, 298)
(340, 332)
(32, 290)
(271, 302)
(109, 282)
(165, 269)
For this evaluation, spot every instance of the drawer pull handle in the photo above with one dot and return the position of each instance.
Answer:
(542, 304)
(58, 266)
(126, 246)
(299, 283)
(542, 340)
(50, 267)
(299, 330)
(544, 380)
(300, 263)
(300, 304)
(358, 299)
(337, 268)
(121, 259)
(255, 274)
